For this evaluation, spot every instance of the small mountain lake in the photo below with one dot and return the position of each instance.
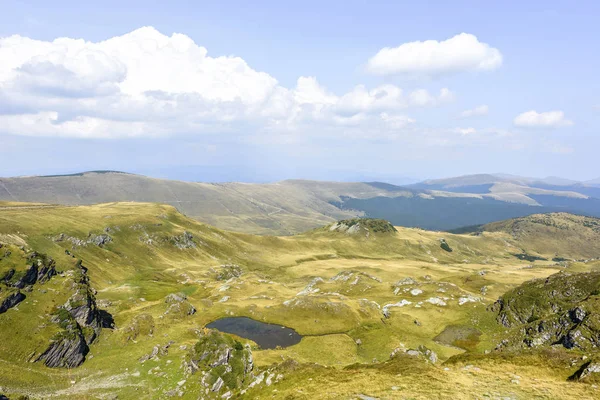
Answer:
(267, 336)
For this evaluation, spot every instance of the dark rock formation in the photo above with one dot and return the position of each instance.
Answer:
(11, 301)
(589, 372)
(8, 276)
(29, 278)
(46, 272)
(42, 269)
(68, 351)
(81, 322)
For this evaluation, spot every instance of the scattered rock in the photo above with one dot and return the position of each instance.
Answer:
(468, 299)
(438, 301)
(99, 240)
(184, 241)
(175, 298)
(386, 308)
(228, 271)
(179, 306)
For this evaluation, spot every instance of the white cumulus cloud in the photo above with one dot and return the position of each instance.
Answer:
(463, 52)
(145, 84)
(548, 119)
(475, 112)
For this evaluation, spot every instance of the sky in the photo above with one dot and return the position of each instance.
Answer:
(262, 91)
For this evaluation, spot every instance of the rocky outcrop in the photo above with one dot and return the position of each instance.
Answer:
(588, 373)
(535, 299)
(221, 363)
(156, 351)
(228, 271)
(184, 241)
(66, 351)
(82, 305)
(561, 309)
(80, 321)
(46, 272)
(28, 278)
(364, 226)
(41, 270)
(98, 240)
(421, 352)
(178, 306)
(590, 370)
(11, 300)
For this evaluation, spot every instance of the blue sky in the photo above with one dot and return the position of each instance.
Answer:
(300, 90)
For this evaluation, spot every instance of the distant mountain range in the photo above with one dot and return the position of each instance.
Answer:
(293, 206)
(503, 183)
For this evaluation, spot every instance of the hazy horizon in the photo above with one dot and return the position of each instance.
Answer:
(193, 174)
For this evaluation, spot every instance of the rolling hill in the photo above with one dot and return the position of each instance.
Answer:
(293, 206)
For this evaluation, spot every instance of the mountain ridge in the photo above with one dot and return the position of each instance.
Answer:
(296, 205)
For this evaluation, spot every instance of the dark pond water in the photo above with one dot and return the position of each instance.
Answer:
(267, 336)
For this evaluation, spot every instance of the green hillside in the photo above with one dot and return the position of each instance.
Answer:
(117, 297)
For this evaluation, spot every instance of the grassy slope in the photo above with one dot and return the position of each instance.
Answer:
(554, 235)
(133, 277)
